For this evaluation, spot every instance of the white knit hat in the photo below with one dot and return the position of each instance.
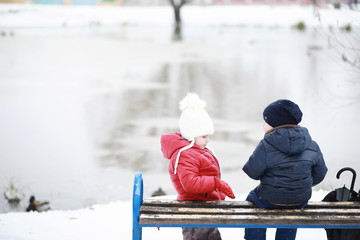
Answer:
(194, 121)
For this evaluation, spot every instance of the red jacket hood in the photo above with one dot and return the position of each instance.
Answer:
(171, 143)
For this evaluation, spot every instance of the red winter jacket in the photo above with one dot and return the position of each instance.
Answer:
(196, 169)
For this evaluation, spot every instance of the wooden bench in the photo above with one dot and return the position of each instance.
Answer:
(237, 214)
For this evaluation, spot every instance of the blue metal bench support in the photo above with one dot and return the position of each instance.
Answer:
(137, 201)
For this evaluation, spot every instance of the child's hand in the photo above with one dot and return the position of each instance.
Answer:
(222, 186)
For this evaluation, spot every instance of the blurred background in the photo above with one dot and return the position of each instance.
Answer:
(87, 87)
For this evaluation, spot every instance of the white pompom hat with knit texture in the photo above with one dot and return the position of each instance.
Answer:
(194, 121)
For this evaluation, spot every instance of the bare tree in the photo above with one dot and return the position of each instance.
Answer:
(177, 4)
(345, 40)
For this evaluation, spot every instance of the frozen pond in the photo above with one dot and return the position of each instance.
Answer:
(82, 109)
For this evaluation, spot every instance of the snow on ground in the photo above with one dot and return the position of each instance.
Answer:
(111, 221)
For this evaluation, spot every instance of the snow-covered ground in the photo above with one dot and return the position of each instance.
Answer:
(111, 222)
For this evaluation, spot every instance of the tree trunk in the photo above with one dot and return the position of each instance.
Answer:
(177, 15)
(177, 34)
(177, 7)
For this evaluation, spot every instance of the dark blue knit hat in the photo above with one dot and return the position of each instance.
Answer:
(282, 112)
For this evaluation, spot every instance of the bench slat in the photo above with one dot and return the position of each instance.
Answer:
(244, 204)
(248, 219)
(242, 213)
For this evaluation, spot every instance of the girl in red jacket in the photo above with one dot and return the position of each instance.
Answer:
(194, 169)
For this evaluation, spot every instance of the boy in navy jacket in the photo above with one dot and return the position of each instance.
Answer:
(287, 162)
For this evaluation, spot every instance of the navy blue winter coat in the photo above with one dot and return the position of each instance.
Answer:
(288, 163)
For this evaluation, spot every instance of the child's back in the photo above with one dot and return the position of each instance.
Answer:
(287, 162)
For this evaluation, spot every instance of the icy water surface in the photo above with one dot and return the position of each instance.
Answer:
(82, 111)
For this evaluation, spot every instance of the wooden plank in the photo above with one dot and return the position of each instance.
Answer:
(268, 219)
(242, 213)
(245, 204)
(248, 211)
(249, 219)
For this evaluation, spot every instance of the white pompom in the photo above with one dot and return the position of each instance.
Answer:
(191, 101)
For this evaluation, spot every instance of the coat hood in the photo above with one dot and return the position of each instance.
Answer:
(291, 141)
(171, 143)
